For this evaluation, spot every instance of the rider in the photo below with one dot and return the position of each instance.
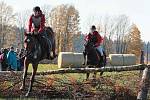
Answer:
(98, 42)
(37, 26)
(37, 21)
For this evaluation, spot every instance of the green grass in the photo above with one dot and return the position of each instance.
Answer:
(121, 78)
(44, 67)
(109, 80)
(118, 76)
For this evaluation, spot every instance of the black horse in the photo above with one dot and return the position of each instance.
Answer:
(36, 47)
(92, 57)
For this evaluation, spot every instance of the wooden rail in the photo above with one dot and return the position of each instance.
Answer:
(144, 84)
(89, 70)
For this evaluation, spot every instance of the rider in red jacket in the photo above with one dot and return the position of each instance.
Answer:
(36, 21)
(98, 36)
(37, 26)
(99, 39)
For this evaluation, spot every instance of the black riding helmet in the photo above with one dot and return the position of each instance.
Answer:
(36, 8)
(93, 27)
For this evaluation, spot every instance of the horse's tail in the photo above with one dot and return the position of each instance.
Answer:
(51, 34)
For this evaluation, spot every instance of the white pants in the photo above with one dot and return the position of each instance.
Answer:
(0, 66)
(100, 49)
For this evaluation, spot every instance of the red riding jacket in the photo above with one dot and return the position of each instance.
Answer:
(36, 22)
(99, 38)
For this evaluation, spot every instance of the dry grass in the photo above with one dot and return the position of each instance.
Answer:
(111, 86)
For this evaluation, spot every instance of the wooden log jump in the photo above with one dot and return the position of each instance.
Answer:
(144, 84)
(88, 70)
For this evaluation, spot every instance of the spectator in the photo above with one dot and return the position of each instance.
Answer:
(2, 49)
(12, 59)
(18, 59)
(21, 57)
(17, 51)
(4, 61)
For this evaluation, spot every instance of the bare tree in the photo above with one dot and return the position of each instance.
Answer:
(46, 10)
(115, 31)
(121, 29)
(7, 19)
(65, 21)
(22, 22)
(108, 27)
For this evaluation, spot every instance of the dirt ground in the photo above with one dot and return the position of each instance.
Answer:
(107, 87)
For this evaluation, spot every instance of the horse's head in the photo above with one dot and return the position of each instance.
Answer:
(29, 42)
(90, 51)
(89, 46)
(90, 43)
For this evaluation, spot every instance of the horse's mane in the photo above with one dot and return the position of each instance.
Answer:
(50, 30)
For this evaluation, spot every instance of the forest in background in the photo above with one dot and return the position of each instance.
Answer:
(120, 34)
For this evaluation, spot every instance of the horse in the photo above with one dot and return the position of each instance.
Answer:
(35, 46)
(92, 57)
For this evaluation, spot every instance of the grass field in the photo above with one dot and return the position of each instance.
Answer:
(44, 67)
(111, 84)
(119, 77)
(124, 75)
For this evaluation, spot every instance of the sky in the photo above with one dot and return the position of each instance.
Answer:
(136, 10)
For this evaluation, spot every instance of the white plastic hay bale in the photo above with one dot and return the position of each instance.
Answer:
(70, 59)
(122, 59)
(130, 59)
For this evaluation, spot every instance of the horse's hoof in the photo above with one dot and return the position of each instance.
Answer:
(22, 88)
(27, 94)
(83, 63)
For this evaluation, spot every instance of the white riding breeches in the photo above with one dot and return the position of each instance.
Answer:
(100, 49)
(0, 66)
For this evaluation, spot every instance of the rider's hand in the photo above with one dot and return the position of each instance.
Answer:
(29, 32)
(35, 33)
(95, 46)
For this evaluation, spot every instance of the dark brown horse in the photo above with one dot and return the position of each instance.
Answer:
(36, 47)
(92, 57)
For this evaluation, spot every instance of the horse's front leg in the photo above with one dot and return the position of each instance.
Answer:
(87, 76)
(26, 64)
(34, 66)
(94, 75)
(84, 55)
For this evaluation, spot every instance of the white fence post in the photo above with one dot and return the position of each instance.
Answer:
(144, 85)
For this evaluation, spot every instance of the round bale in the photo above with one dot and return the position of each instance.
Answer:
(122, 59)
(70, 59)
